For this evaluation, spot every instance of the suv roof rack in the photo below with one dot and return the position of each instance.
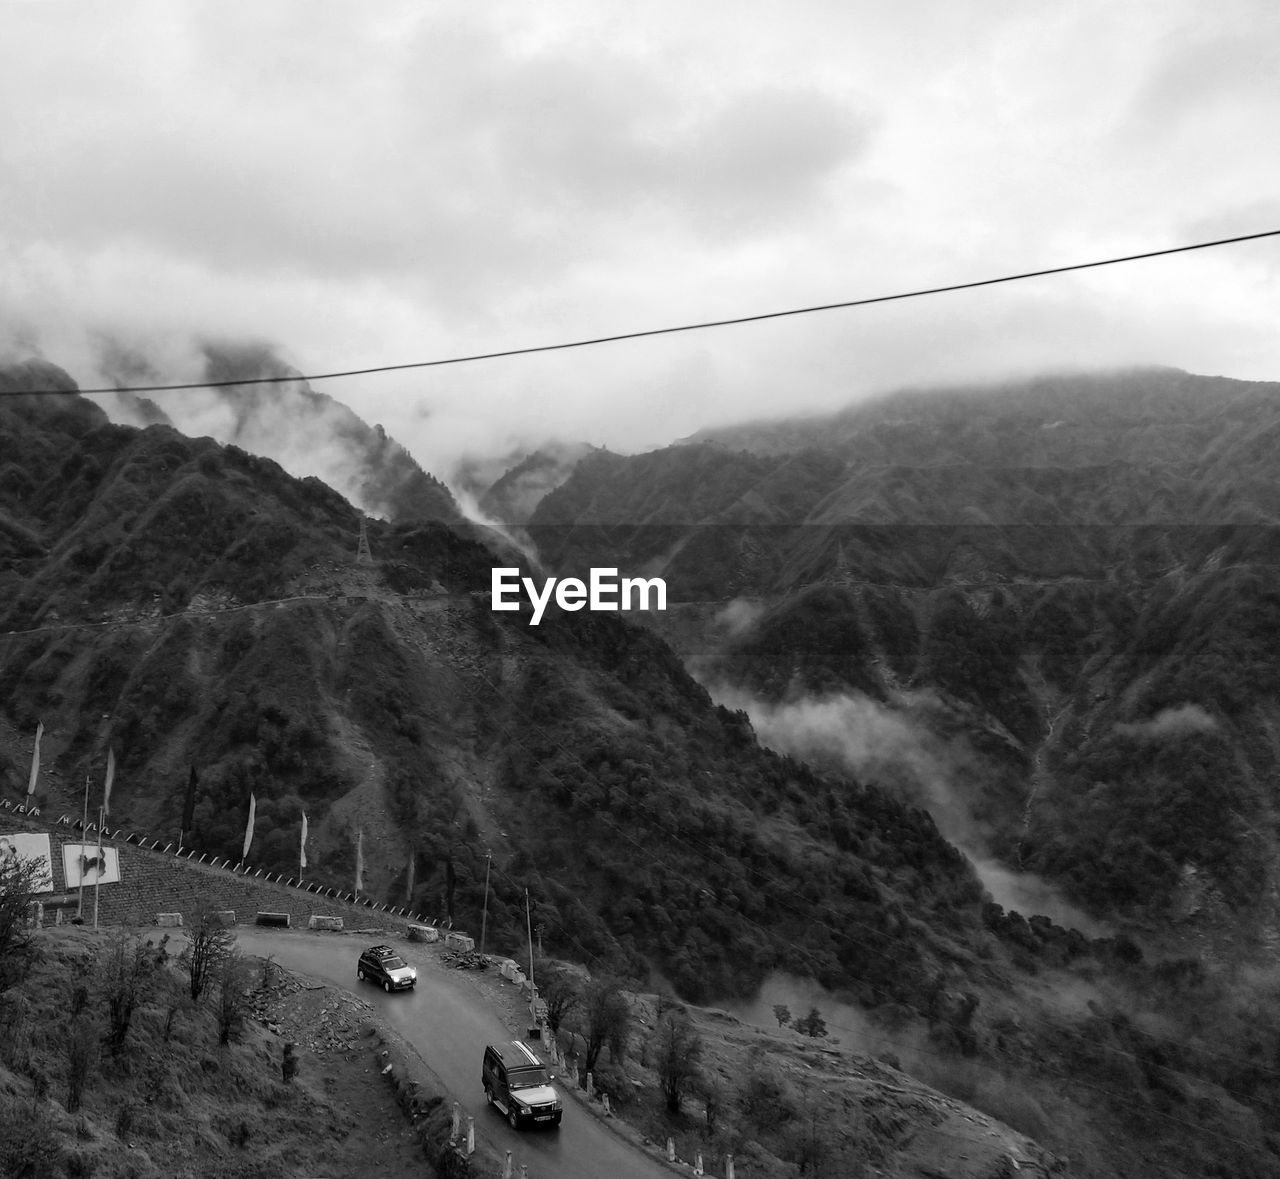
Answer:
(516, 1054)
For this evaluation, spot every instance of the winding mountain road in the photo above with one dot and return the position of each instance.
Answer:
(449, 1024)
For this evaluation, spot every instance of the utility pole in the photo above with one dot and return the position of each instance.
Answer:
(363, 555)
(484, 917)
(533, 990)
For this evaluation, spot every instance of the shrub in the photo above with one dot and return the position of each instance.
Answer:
(80, 1050)
(126, 978)
(234, 977)
(765, 1097)
(28, 1142)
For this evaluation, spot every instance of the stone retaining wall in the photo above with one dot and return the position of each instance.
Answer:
(156, 879)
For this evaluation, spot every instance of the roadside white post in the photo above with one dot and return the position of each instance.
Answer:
(507, 1167)
(524, 1171)
(591, 1087)
(604, 1097)
(671, 1150)
(456, 1128)
(471, 1136)
(728, 1166)
(697, 1166)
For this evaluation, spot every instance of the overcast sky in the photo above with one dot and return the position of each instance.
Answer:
(361, 184)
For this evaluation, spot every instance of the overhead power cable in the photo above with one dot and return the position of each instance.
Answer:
(663, 331)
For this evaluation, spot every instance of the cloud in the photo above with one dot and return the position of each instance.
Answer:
(739, 616)
(1171, 722)
(891, 747)
(874, 743)
(366, 186)
(1029, 894)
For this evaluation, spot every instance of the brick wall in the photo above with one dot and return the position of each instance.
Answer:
(154, 880)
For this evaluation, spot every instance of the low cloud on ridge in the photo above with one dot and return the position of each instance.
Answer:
(1171, 722)
(888, 747)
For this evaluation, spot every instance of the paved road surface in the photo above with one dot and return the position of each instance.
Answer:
(449, 1025)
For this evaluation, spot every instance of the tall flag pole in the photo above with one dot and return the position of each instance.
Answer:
(35, 764)
(84, 834)
(188, 808)
(302, 846)
(359, 859)
(248, 830)
(97, 880)
(102, 814)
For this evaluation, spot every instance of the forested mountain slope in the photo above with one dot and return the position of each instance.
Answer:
(194, 606)
(1077, 572)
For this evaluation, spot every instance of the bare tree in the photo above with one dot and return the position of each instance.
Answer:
(175, 999)
(677, 1054)
(559, 990)
(603, 1018)
(711, 1090)
(21, 879)
(234, 978)
(811, 1145)
(126, 977)
(80, 1049)
(207, 944)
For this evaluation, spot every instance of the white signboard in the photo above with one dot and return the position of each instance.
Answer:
(24, 846)
(86, 863)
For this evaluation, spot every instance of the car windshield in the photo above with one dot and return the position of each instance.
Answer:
(527, 1078)
(392, 963)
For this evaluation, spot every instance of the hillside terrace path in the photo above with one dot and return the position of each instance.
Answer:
(449, 1024)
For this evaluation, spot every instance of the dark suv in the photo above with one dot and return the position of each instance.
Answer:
(383, 965)
(516, 1082)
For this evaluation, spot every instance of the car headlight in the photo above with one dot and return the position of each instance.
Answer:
(413, 973)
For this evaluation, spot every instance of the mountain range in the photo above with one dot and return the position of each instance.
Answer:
(990, 620)
(1068, 582)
